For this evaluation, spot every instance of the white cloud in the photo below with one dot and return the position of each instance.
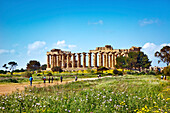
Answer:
(6, 51)
(150, 49)
(95, 23)
(35, 46)
(64, 46)
(148, 21)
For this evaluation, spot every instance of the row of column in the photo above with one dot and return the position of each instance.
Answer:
(64, 60)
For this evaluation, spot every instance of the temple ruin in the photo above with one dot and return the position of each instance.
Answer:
(102, 56)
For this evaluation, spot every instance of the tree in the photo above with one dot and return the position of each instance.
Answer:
(132, 60)
(143, 61)
(57, 69)
(13, 66)
(164, 55)
(166, 71)
(121, 62)
(43, 67)
(138, 60)
(101, 68)
(5, 66)
(33, 65)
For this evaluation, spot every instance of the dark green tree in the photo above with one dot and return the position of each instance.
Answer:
(102, 68)
(43, 67)
(33, 65)
(142, 61)
(121, 62)
(5, 66)
(166, 71)
(57, 68)
(138, 60)
(164, 55)
(13, 66)
(132, 60)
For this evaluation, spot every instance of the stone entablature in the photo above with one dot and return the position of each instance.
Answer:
(101, 56)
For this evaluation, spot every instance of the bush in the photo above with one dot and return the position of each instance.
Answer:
(27, 74)
(166, 71)
(13, 80)
(115, 71)
(152, 73)
(49, 74)
(120, 73)
(39, 75)
(3, 72)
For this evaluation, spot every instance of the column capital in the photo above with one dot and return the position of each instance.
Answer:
(84, 53)
(95, 53)
(78, 53)
(101, 52)
(72, 53)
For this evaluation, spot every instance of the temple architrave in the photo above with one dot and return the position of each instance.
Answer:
(101, 56)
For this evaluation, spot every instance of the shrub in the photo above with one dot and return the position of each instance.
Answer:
(152, 73)
(166, 71)
(27, 74)
(49, 74)
(39, 75)
(115, 71)
(120, 73)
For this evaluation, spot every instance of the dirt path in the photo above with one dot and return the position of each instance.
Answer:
(11, 87)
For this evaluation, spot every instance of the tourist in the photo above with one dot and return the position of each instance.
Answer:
(61, 78)
(162, 77)
(75, 78)
(165, 77)
(44, 79)
(52, 79)
(31, 79)
(49, 79)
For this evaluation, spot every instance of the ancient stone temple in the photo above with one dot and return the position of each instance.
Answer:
(101, 56)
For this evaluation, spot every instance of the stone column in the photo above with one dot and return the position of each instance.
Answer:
(79, 60)
(58, 61)
(95, 59)
(126, 54)
(101, 59)
(110, 56)
(84, 60)
(104, 60)
(113, 59)
(107, 60)
(73, 60)
(116, 58)
(63, 58)
(54, 58)
(48, 61)
(89, 60)
(52, 62)
(119, 54)
(68, 60)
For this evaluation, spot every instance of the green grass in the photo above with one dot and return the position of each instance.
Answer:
(116, 94)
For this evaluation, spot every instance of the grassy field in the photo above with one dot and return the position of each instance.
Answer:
(128, 93)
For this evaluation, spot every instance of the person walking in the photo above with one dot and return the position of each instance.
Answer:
(49, 79)
(52, 79)
(61, 78)
(165, 77)
(75, 78)
(44, 79)
(31, 79)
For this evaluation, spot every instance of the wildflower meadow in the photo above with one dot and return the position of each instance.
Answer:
(123, 94)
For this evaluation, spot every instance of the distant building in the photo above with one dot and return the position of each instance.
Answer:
(105, 56)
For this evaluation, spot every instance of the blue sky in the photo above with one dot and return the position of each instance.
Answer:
(29, 28)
